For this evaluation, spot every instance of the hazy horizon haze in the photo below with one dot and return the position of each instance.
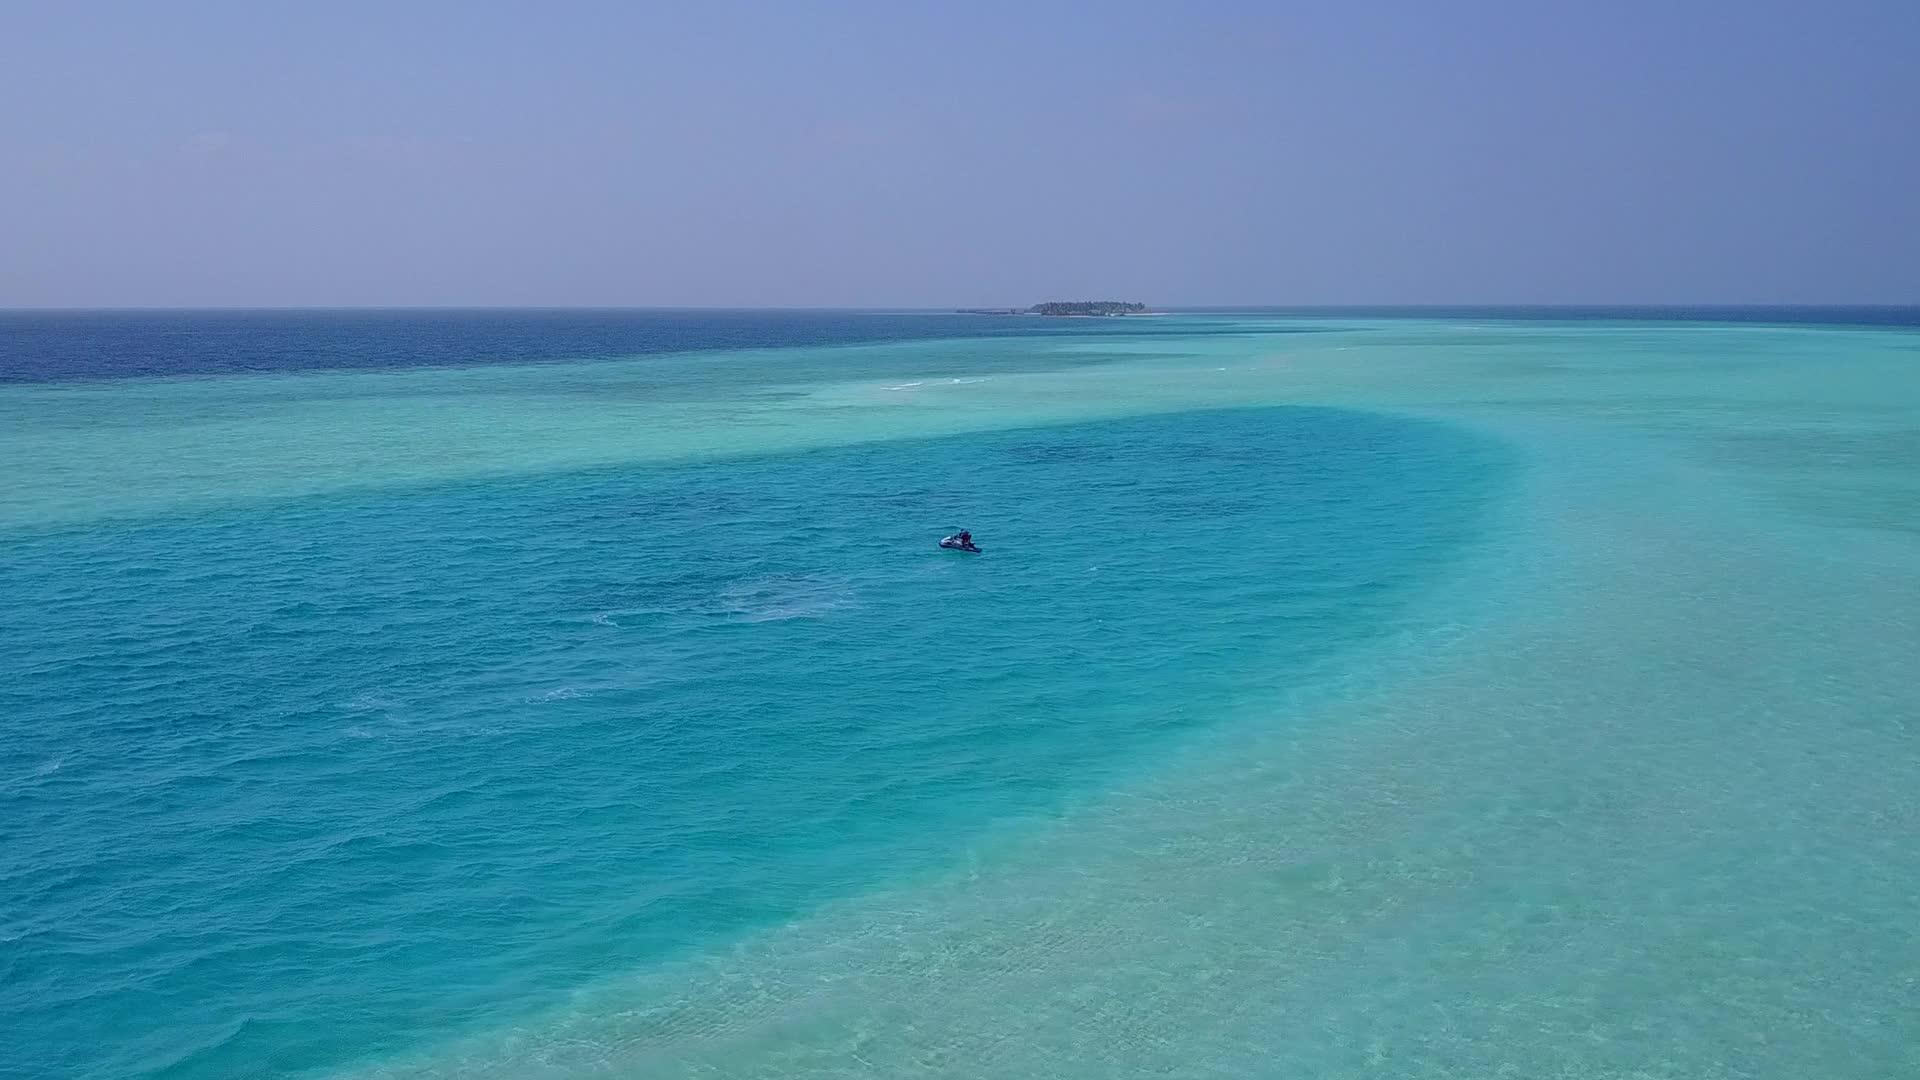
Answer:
(864, 156)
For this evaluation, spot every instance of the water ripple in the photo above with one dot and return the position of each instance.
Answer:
(298, 784)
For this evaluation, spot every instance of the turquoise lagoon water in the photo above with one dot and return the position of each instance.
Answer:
(482, 695)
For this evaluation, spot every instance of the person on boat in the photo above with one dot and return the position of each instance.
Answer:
(966, 539)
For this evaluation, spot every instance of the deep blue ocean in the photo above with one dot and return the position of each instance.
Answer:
(379, 685)
(53, 346)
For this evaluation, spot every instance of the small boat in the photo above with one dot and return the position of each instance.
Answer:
(958, 543)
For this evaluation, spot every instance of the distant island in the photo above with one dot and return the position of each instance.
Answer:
(1066, 307)
(1087, 307)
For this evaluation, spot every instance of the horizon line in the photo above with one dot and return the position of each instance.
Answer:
(989, 309)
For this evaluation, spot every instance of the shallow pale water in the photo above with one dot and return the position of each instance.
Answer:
(1484, 697)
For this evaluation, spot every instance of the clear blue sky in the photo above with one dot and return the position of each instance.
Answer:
(901, 154)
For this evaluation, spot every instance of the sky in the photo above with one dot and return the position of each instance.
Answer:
(913, 154)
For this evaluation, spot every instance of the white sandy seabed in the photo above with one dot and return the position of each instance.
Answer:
(1636, 793)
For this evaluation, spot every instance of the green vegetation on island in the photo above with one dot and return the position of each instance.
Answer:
(1065, 307)
(1087, 307)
